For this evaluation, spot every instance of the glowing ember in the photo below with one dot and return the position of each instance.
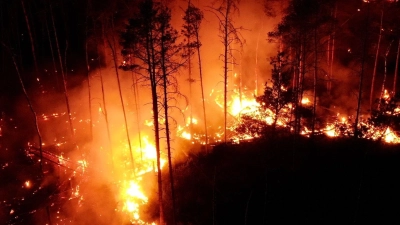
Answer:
(27, 184)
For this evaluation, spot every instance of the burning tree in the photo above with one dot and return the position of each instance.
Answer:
(279, 97)
(229, 35)
(193, 17)
(275, 105)
(301, 33)
(149, 46)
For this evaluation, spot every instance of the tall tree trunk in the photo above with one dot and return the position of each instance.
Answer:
(314, 116)
(63, 76)
(103, 95)
(189, 48)
(52, 54)
(396, 70)
(226, 49)
(384, 77)
(256, 68)
(167, 133)
(39, 135)
(202, 89)
(30, 106)
(166, 115)
(114, 55)
(360, 87)
(332, 51)
(151, 61)
(87, 74)
(30, 36)
(371, 96)
(137, 108)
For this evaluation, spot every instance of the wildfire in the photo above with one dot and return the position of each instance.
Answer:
(130, 175)
(134, 197)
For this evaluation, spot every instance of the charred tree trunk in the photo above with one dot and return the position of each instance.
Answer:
(29, 104)
(88, 76)
(396, 70)
(360, 86)
(331, 52)
(164, 56)
(384, 77)
(103, 95)
(114, 55)
(190, 80)
(137, 108)
(167, 133)
(63, 75)
(314, 115)
(39, 135)
(30, 36)
(193, 17)
(226, 58)
(151, 62)
(202, 89)
(371, 96)
(52, 54)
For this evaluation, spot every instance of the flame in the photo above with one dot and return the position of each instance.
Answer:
(134, 197)
(305, 101)
(391, 137)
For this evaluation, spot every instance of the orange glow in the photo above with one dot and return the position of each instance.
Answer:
(27, 184)
(305, 101)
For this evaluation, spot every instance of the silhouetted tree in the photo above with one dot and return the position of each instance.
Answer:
(193, 18)
(229, 35)
(151, 40)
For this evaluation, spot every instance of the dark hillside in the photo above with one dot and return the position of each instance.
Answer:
(328, 181)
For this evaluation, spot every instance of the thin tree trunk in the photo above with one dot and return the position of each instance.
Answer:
(202, 89)
(166, 115)
(153, 82)
(314, 119)
(190, 86)
(328, 61)
(35, 120)
(226, 49)
(360, 87)
(384, 76)
(256, 69)
(137, 108)
(332, 52)
(103, 95)
(87, 74)
(63, 76)
(30, 106)
(396, 70)
(371, 96)
(52, 54)
(30, 36)
(112, 47)
(167, 133)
